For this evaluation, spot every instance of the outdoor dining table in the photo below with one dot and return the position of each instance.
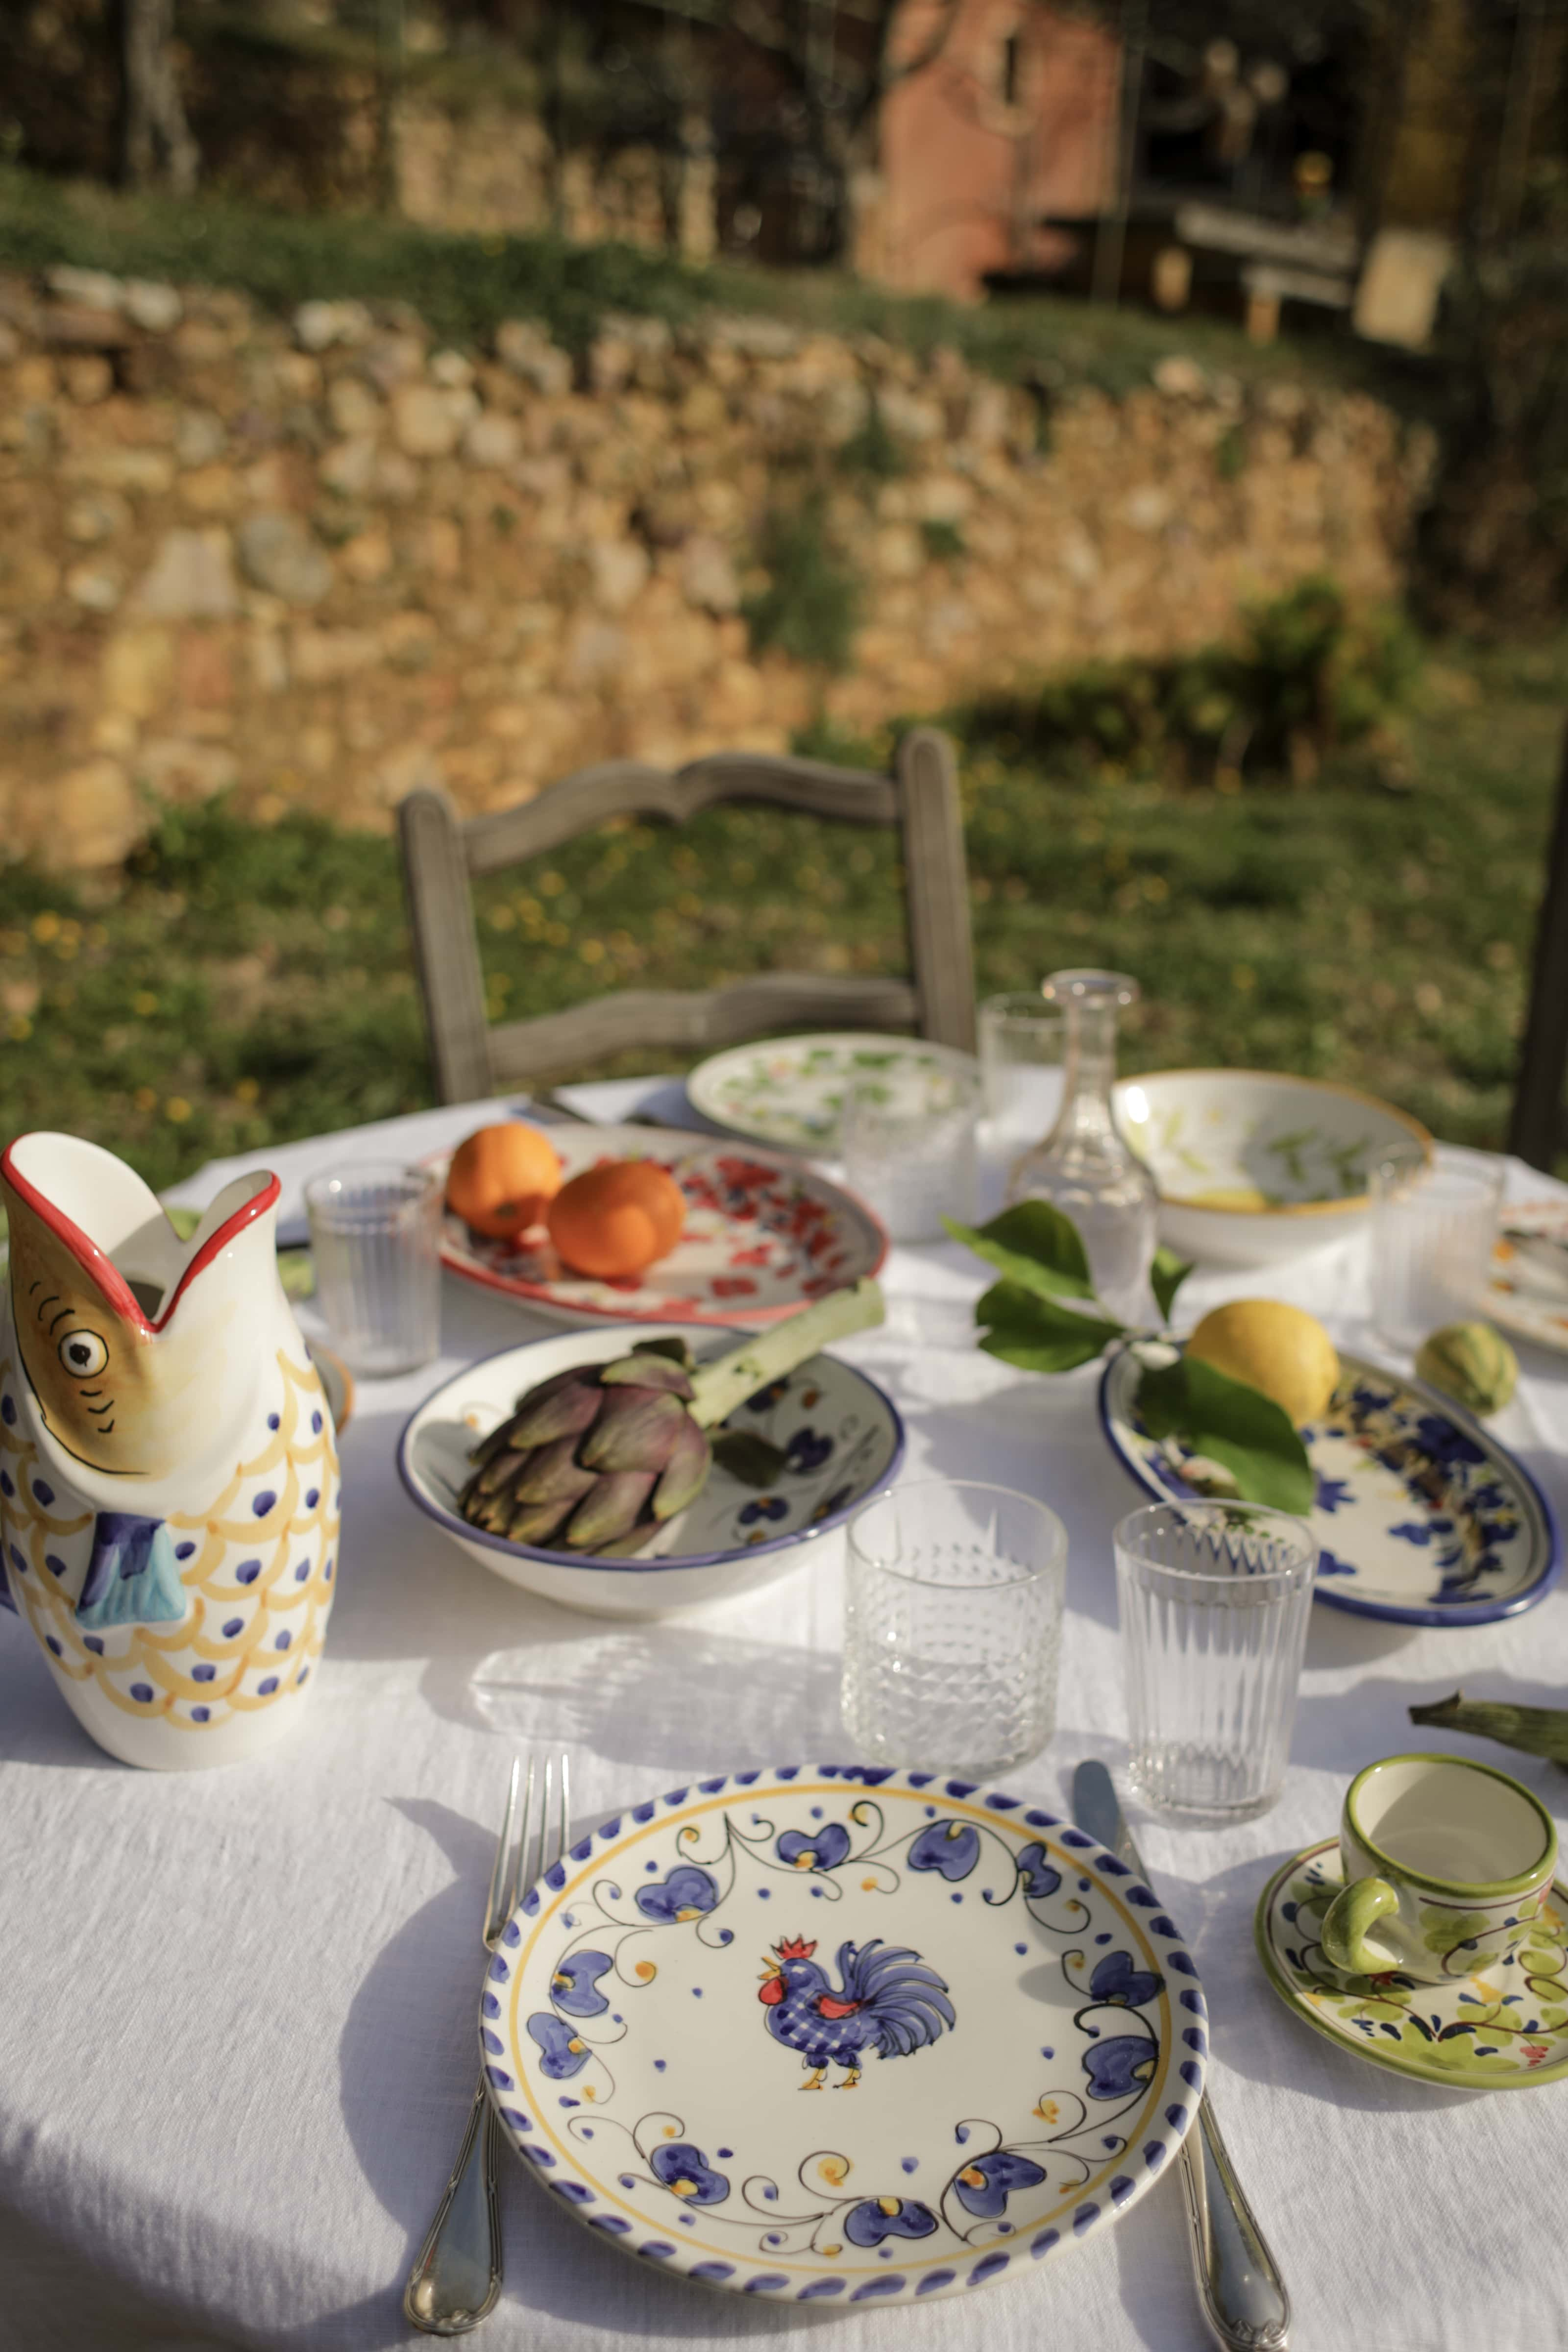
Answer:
(238, 2007)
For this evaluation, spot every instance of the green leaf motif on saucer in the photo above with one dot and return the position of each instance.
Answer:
(1503, 2028)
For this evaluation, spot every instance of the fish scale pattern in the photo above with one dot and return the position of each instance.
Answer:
(258, 1565)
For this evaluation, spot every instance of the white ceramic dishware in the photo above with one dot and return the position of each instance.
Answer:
(1421, 1516)
(675, 2012)
(841, 1436)
(169, 1503)
(789, 1091)
(1504, 2029)
(1254, 1166)
(764, 1236)
(1447, 1863)
(1527, 1295)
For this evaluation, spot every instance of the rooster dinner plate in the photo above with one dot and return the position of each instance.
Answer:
(763, 1237)
(831, 2035)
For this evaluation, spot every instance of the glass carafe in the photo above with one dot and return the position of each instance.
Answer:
(1085, 1167)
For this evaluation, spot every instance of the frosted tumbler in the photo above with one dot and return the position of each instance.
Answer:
(1022, 1045)
(1434, 1225)
(952, 1615)
(375, 1231)
(908, 1144)
(1213, 1601)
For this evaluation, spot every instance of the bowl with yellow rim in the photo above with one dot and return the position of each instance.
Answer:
(1254, 1166)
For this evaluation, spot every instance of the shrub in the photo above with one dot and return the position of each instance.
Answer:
(812, 603)
(943, 540)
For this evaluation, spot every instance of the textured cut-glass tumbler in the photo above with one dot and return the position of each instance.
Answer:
(1434, 1224)
(376, 1231)
(953, 1612)
(908, 1146)
(1213, 1600)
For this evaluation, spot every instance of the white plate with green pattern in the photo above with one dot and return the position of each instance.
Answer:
(790, 1090)
(1500, 2030)
(1254, 1166)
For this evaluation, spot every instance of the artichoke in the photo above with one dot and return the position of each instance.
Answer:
(598, 1458)
(1538, 1730)
(1470, 1362)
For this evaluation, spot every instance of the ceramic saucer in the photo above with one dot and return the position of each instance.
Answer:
(1502, 2031)
(1530, 1305)
(841, 2035)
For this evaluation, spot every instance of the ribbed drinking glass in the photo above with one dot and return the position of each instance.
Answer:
(375, 1231)
(952, 1615)
(1213, 1599)
(908, 1146)
(1434, 1224)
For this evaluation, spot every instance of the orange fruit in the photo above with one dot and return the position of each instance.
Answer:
(503, 1178)
(614, 1220)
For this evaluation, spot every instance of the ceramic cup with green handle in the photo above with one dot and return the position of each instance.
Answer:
(1447, 1863)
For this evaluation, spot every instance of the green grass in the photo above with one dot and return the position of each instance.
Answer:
(464, 285)
(251, 985)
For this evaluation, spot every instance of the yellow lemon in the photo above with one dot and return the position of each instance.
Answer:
(1281, 1349)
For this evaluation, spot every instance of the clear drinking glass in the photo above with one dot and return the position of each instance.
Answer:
(1023, 1041)
(1433, 1227)
(1086, 1166)
(952, 1615)
(908, 1145)
(1213, 1601)
(375, 1231)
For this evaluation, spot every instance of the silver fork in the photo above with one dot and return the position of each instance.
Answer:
(455, 2282)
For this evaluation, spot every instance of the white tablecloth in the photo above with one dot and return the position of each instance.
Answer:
(238, 2009)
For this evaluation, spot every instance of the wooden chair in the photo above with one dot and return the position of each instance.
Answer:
(442, 855)
(1536, 1129)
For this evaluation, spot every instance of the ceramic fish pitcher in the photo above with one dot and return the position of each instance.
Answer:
(168, 1474)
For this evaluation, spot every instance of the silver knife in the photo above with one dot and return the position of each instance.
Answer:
(1242, 2295)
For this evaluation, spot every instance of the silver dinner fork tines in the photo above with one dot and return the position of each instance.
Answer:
(455, 2282)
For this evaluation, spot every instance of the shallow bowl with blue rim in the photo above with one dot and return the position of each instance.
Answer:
(841, 1436)
(1422, 1518)
(675, 2009)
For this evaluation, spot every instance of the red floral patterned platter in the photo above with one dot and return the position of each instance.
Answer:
(764, 1236)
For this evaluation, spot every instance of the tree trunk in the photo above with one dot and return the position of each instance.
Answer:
(155, 138)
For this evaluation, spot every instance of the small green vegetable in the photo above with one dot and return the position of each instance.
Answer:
(1538, 1730)
(1470, 1362)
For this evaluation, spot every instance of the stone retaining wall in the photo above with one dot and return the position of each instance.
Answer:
(320, 562)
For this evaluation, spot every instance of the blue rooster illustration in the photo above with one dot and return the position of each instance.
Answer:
(887, 2002)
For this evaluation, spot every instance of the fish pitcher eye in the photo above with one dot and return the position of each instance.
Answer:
(83, 1353)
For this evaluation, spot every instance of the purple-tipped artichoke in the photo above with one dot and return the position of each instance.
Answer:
(598, 1458)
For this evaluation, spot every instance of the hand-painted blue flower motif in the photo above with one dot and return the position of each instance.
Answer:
(1330, 1564)
(574, 1987)
(1331, 1493)
(952, 1847)
(1116, 2068)
(822, 1849)
(807, 1450)
(685, 1894)
(984, 2186)
(765, 1399)
(563, 2054)
(876, 2218)
(686, 2172)
(763, 1506)
(831, 1503)
(1413, 1531)
(1446, 1441)
(1037, 1876)
(1116, 1980)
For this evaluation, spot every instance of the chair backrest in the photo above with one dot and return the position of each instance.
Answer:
(442, 855)
(1536, 1129)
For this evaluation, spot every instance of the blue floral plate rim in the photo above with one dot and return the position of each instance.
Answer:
(1548, 1560)
(419, 1491)
(945, 1822)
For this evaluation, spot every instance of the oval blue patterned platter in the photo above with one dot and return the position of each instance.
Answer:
(829, 2033)
(1421, 1516)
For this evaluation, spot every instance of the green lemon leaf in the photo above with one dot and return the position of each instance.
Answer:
(1166, 1277)
(1032, 1243)
(1036, 1333)
(1237, 1426)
